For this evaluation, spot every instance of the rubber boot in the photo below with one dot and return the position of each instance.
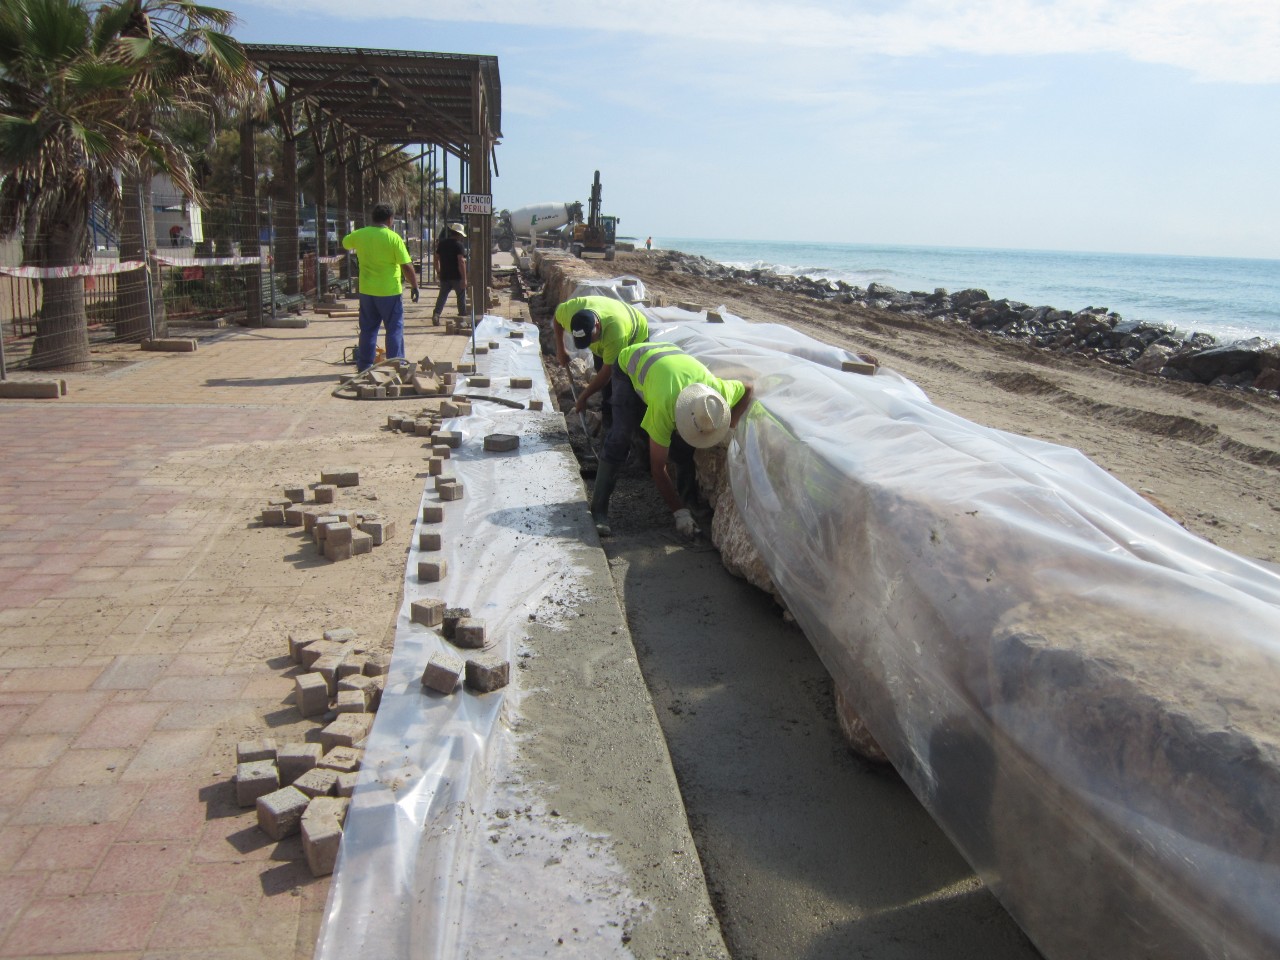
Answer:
(606, 477)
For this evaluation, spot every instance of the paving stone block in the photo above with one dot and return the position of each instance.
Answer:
(250, 751)
(381, 530)
(435, 466)
(309, 519)
(280, 813)
(393, 421)
(441, 450)
(351, 666)
(340, 476)
(478, 381)
(515, 335)
(424, 428)
(361, 543)
(469, 634)
(338, 534)
(325, 492)
(352, 701)
(342, 759)
(295, 494)
(295, 516)
(480, 352)
(452, 617)
(487, 672)
(311, 694)
(273, 517)
(432, 513)
(321, 528)
(429, 541)
(316, 649)
(347, 731)
(466, 367)
(450, 438)
(295, 759)
(296, 645)
(521, 383)
(429, 612)
(857, 366)
(338, 551)
(443, 672)
(444, 480)
(255, 779)
(448, 408)
(340, 635)
(535, 405)
(452, 491)
(464, 408)
(377, 665)
(347, 783)
(443, 366)
(432, 571)
(322, 834)
(327, 667)
(501, 442)
(368, 687)
(318, 782)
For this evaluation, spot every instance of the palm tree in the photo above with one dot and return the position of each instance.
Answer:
(84, 90)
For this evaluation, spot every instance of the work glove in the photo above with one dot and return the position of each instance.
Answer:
(684, 523)
(413, 294)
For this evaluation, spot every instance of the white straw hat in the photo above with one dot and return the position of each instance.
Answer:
(702, 415)
(458, 228)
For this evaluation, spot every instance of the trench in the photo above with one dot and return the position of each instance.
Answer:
(809, 851)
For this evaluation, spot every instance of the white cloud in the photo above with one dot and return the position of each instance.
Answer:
(1216, 40)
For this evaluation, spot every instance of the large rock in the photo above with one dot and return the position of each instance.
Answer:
(1226, 360)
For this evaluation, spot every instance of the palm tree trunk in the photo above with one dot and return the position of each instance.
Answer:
(62, 332)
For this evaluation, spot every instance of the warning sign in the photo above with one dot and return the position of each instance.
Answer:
(477, 203)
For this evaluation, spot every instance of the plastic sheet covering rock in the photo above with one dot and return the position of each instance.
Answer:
(1083, 694)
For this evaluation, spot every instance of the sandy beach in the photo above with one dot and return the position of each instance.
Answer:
(1209, 457)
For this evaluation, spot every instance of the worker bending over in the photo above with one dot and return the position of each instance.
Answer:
(681, 405)
(604, 325)
(384, 265)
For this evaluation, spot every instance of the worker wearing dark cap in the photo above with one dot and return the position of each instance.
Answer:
(605, 326)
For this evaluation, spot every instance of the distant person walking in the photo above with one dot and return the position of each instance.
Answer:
(384, 266)
(648, 243)
(451, 268)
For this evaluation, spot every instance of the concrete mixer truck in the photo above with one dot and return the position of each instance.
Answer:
(525, 222)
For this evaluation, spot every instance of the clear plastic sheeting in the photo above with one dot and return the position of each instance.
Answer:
(1082, 693)
(422, 872)
(625, 288)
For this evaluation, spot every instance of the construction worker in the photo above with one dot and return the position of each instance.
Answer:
(451, 270)
(609, 326)
(681, 405)
(385, 266)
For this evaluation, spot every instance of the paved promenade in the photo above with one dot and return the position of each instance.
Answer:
(143, 616)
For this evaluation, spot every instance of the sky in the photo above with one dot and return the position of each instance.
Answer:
(1132, 126)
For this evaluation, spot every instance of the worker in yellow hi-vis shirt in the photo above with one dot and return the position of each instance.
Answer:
(681, 405)
(384, 266)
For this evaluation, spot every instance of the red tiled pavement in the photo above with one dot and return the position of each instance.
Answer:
(142, 617)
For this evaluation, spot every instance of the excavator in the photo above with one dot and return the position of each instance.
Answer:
(599, 233)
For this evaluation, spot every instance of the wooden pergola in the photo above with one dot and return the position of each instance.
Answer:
(360, 106)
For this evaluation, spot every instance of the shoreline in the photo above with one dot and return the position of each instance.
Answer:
(1096, 333)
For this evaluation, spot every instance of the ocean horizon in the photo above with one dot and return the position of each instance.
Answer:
(1230, 298)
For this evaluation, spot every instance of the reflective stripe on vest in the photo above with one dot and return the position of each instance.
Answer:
(640, 362)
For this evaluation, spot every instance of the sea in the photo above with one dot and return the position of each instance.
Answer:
(1230, 298)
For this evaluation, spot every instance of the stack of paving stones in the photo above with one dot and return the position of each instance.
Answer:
(481, 672)
(305, 786)
(340, 533)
